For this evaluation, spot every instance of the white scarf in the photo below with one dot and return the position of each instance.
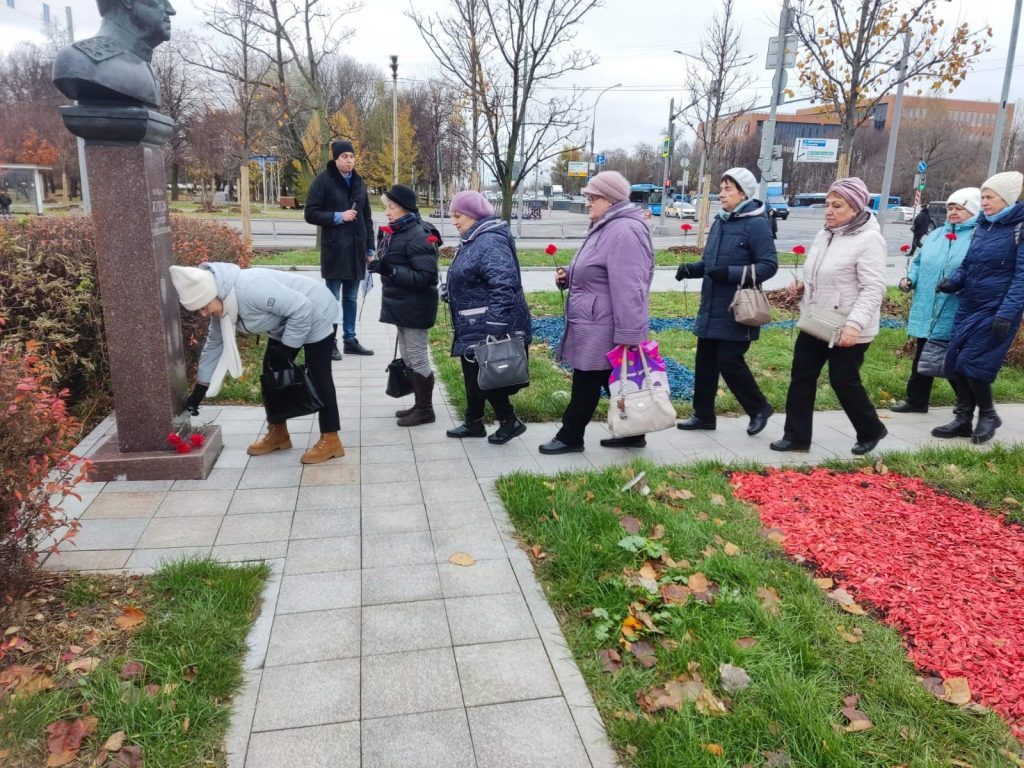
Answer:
(230, 361)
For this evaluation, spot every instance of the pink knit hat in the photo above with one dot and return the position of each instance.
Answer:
(853, 190)
(472, 204)
(611, 185)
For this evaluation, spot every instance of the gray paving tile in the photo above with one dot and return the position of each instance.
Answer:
(489, 619)
(452, 449)
(287, 458)
(110, 534)
(385, 437)
(298, 638)
(392, 472)
(406, 683)
(427, 740)
(323, 746)
(526, 734)
(391, 494)
(403, 627)
(319, 592)
(498, 672)
(89, 560)
(240, 413)
(482, 543)
(328, 497)
(458, 514)
(385, 454)
(485, 577)
(270, 477)
(194, 503)
(123, 505)
(442, 491)
(138, 486)
(163, 532)
(241, 426)
(154, 558)
(261, 550)
(397, 549)
(446, 469)
(400, 584)
(236, 740)
(73, 508)
(408, 517)
(334, 472)
(263, 500)
(248, 529)
(314, 523)
(217, 480)
(308, 694)
(341, 553)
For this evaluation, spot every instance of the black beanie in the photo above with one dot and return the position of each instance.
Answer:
(337, 147)
(403, 196)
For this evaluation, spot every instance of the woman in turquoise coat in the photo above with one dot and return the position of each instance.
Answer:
(931, 313)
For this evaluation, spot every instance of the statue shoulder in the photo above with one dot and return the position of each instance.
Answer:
(99, 48)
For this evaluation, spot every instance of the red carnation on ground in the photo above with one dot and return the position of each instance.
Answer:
(686, 227)
(433, 239)
(183, 447)
(951, 236)
(904, 248)
(173, 438)
(799, 250)
(197, 440)
(387, 230)
(551, 249)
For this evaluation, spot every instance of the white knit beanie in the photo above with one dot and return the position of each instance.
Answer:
(968, 198)
(1007, 185)
(196, 287)
(744, 180)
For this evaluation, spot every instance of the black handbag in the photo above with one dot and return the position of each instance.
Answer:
(501, 363)
(399, 377)
(932, 362)
(289, 393)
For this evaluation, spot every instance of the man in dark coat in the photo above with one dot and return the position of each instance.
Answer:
(338, 203)
(921, 226)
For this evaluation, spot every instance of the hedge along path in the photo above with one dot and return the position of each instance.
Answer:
(946, 574)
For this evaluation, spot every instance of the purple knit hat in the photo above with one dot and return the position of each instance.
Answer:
(472, 204)
(611, 185)
(853, 190)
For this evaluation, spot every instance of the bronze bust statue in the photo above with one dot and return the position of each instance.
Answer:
(113, 68)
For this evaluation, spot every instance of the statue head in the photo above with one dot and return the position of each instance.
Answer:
(148, 20)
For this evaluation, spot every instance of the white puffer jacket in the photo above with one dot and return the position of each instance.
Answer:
(846, 272)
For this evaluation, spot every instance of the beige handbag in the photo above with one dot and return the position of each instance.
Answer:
(822, 323)
(649, 409)
(750, 306)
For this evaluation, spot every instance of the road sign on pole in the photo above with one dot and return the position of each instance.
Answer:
(789, 54)
(578, 168)
(816, 150)
(922, 167)
(600, 160)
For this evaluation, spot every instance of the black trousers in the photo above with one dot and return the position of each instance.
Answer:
(919, 388)
(809, 357)
(318, 363)
(476, 398)
(716, 357)
(586, 392)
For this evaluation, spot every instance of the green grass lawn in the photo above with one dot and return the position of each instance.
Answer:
(800, 665)
(191, 647)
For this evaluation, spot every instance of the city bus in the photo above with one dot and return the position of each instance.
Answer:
(817, 199)
(647, 195)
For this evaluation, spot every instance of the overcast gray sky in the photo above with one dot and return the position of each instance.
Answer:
(633, 40)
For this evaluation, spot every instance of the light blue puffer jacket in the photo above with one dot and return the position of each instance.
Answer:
(936, 259)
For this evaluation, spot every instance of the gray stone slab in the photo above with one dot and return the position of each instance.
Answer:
(340, 553)
(443, 491)
(445, 469)
(401, 519)
(89, 560)
(110, 534)
(402, 627)
(406, 683)
(391, 494)
(270, 477)
(241, 426)
(452, 449)
(386, 454)
(489, 619)
(308, 694)
(154, 558)
(163, 532)
(595, 740)
(328, 497)
(526, 734)
(263, 500)
(334, 472)
(217, 480)
(498, 672)
(484, 577)
(319, 591)
(261, 550)
(323, 746)
(236, 740)
(392, 472)
(314, 523)
(138, 486)
(73, 508)
(385, 437)
(397, 549)
(194, 503)
(481, 542)
(400, 584)
(427, 740)
(240, 413)
(458, 514)
(298, 638)
(123, 505)
(249, 529)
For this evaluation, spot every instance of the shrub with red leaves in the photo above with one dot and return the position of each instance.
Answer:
(943, 572)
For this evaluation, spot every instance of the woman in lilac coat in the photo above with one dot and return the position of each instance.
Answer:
(609, 281)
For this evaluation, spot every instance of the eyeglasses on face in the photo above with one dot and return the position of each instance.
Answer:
(592, 198)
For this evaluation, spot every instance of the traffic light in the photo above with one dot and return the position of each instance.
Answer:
(921, 185)
(665, 144)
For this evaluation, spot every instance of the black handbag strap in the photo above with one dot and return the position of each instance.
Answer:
(395, 356)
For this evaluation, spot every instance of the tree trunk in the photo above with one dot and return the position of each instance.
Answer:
(175, 176)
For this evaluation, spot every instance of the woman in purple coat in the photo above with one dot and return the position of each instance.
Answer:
(609, 281)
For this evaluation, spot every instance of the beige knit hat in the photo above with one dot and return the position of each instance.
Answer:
(196, 287)
(611, 185)
(1007, 185)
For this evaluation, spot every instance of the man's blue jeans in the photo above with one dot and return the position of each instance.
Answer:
(348, 292)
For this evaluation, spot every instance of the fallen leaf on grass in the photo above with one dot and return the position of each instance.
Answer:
(666, 696)
(717, 499)
(776, 760)
(845, 601)
(1015, 759)
(83, 664)
(126, 757)
(746, 642)
(674, 594)
(1010, 501)
(731, 549)
(114, 742)
(643, 652)
(130, 671)
(462, 558)
(854, 635)
(648, 571)
(825, 583)
(709, 704)
(631, 524)
(130, 618)
(934, 686)
(637, 485)
(773, 534)
(611, 661)
(858, 721)
(733, 678)
(64, 738)
(956, 690)
(92, 637)
(698, 582)
(714, 749)
(537, 552)
(770, 600)
(657, 532)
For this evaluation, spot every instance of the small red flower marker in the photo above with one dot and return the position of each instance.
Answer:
(183, 447)
(951, 236)
(799, 250)
(433, 239)
(197, 440)
(551, 249)
(173, 438)
(387, 230)
(686, 227)
(904, 248)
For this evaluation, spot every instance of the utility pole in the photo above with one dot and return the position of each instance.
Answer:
(669, 141)
(765, 161)
(440, 190)
(593, 127)
(997, 140)
(894, 134)
(394, 122)
(83, 175)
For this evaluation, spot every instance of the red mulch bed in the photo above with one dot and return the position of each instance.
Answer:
(947, 575)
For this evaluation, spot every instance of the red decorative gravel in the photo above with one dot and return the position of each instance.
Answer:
(947, 575)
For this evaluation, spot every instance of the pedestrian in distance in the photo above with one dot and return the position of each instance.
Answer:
(407, 264)
(773, 220)
(845, 274)
(484, 291)
(920, 227)
(990, 286)
(931, 314)
(339, 204)
(5, 203)
(609, 282)
(739, 248)
(294, 311)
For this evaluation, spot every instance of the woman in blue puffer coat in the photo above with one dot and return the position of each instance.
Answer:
(990, 284)
(931, 314)
(484, 291)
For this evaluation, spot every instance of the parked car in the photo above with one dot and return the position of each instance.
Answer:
(779, 205)
(680, 210)
(906, 211)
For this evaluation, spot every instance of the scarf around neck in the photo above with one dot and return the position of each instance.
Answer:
(852, 225)
(230, 361)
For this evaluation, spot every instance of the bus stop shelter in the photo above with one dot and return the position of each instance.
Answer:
(24, 185)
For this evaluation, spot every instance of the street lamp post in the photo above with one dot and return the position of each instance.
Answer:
(394, 120)
(593, 125)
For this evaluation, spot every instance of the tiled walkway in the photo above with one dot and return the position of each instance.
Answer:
(372, 649)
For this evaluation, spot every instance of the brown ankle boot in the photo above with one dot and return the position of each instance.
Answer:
(276, 439)
(327, 447)
(423, 411)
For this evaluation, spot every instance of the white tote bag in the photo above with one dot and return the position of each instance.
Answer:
(649, 409)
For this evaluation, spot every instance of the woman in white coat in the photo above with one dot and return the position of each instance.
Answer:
(844, 273)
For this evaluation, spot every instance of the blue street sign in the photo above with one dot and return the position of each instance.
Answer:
(922, 167)
(600, 160)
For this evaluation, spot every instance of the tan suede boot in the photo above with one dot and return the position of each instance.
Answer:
(276, 439)
(327, 447)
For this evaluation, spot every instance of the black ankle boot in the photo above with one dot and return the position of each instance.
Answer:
(506, 431)
(423, 411)
(474, 428)
(988, 422)
(963, 413)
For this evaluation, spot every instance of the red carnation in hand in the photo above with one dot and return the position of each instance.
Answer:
(433, 239)
(197, 440)
(183, 447)
(387, 230)
(799, 250)
(904, 248)
(686, 227)
(951, 235)
(551, 249)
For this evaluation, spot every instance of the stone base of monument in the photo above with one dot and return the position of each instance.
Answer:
(111, 464)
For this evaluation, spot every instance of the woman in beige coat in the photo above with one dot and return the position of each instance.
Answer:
(844, 273)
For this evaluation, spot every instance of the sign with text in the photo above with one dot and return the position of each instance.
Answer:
(578, 168)
(816, 151)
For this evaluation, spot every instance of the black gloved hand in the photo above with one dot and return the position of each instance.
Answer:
(280, 356)
(1000, 329)
(684, 272)
(443, 290)
(193, 401)
(718, 274)
(946, 286)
